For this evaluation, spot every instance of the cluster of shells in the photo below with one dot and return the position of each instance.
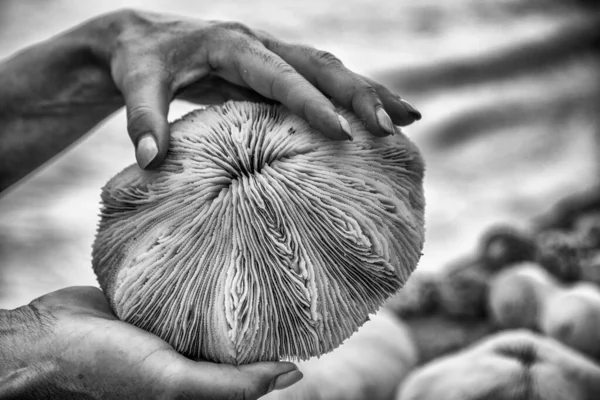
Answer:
(527, 297)
(258, 238)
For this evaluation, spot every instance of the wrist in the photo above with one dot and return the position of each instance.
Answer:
(56, 76)
(25, 371)
(104, 36)
(99, 36)
(22, 331)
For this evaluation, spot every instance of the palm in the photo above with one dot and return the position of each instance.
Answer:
(96, 353)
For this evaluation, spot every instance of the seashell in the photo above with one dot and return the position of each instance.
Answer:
(587, 228)
(258, 238)
(590, 268)
(519, 294)
(418, 297)
(463, 288)
(439, 334)
(504, 245)
(572, 317)
(516, 365)
(560, 253)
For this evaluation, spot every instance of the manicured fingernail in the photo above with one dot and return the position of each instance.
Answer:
(411, 109)
(286, 380)
(346, 127)
(384, 121)
(146, 150)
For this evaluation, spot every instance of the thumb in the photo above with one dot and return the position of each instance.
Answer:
(147, 102)
(224, 381)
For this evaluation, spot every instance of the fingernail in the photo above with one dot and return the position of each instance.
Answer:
(384, 121)
(411, 109)
(286, 380)
(146, 150)
(346, 127)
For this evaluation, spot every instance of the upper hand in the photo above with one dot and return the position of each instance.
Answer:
(155, 58)
(73, 345)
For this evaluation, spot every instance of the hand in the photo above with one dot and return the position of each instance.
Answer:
(154, 58)
(53, 92)
(68, 344)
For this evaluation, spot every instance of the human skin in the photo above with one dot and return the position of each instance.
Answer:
(54, 92)
(68, 344)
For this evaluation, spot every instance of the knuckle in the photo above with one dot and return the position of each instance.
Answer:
(132, 27)
(235, 27)
(266, 38)
(285, 72)
(285, 80)
(364, 91)
(379, 88)
(326, 59)
(136, 116)
(121, 45)
(364, 96)
(242, 47)
(369, 91)
(120, 18)
(382, 92)
(127, 13)
(257, 51)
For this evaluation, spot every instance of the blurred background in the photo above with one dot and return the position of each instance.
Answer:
(509, 91)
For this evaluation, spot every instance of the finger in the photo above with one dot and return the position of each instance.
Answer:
(147, 98)
(396, 106)
(223, 381)
(330, 76)
(250, 64)
(88, 299)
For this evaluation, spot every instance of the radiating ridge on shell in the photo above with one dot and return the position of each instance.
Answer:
(259, 238)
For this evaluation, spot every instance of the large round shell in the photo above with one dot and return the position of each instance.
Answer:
(259, 238)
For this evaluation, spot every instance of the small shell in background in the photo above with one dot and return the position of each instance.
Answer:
(587, 228)
(590, 268)
(418, 297)
(463, 289)
(503, 245)
(439, 334)
(518, 296)
(560, 253)
(573, 318)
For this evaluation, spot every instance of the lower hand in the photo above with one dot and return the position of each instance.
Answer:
(69, 344)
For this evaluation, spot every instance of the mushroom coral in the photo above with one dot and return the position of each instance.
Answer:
(258, 238)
